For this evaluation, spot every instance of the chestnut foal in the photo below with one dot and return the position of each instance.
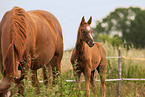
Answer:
(88, 56)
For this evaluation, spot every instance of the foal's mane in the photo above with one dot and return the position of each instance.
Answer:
(18, 30)
(78, 34)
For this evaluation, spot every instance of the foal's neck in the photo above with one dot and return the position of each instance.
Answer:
(80, 44)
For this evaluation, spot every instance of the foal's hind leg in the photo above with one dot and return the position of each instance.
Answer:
(102, 70)
(93, 83)
(35, 81)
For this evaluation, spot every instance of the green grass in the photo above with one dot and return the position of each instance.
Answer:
(130, 69)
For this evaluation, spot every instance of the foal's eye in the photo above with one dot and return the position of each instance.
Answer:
(83, 31)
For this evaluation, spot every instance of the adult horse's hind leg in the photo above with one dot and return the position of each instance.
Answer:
(56, 60)
(102, 70)
(55, 63)
(93, 83)
(35, 81)
(47, 74)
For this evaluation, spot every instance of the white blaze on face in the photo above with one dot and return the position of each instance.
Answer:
(91, 36)
(88, 28)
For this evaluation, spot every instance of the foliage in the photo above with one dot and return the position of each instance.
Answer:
(136, 31)
(125, 23)
(118, 21)
(130, 69)
(114, 40)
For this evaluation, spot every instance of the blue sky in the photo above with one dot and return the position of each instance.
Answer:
(70, 12)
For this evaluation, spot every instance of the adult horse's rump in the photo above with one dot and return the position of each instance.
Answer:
(1, 67)
(29, 40)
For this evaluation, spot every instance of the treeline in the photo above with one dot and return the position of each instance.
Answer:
(123, 24)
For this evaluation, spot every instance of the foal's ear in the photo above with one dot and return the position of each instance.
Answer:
(90, 20)
(83, 20)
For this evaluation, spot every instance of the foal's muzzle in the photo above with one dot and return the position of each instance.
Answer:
(91, 44)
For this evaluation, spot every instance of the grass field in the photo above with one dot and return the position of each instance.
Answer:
(130, 69)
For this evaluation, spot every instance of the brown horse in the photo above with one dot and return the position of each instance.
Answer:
(88, 56)
(29, 40)
(1, 67)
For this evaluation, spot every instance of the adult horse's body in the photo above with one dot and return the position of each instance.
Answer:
(1, 67)
(88, 56)
(29, 40)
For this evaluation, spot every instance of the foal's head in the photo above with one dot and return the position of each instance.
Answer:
(85, 32)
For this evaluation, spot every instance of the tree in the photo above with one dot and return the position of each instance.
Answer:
(136, 32)
(117, 22)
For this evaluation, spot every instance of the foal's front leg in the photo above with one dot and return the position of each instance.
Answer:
(78, 81)
(87, 74)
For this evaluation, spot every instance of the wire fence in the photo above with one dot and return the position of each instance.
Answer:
(122, 79)
(119, 79)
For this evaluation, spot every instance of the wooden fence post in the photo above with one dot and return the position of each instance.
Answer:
(119, 73)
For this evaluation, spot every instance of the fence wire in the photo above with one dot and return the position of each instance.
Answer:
(123, 57)
(122, 79)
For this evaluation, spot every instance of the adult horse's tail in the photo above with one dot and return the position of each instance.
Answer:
(13, 41)
(18, 30)
(18, 36)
